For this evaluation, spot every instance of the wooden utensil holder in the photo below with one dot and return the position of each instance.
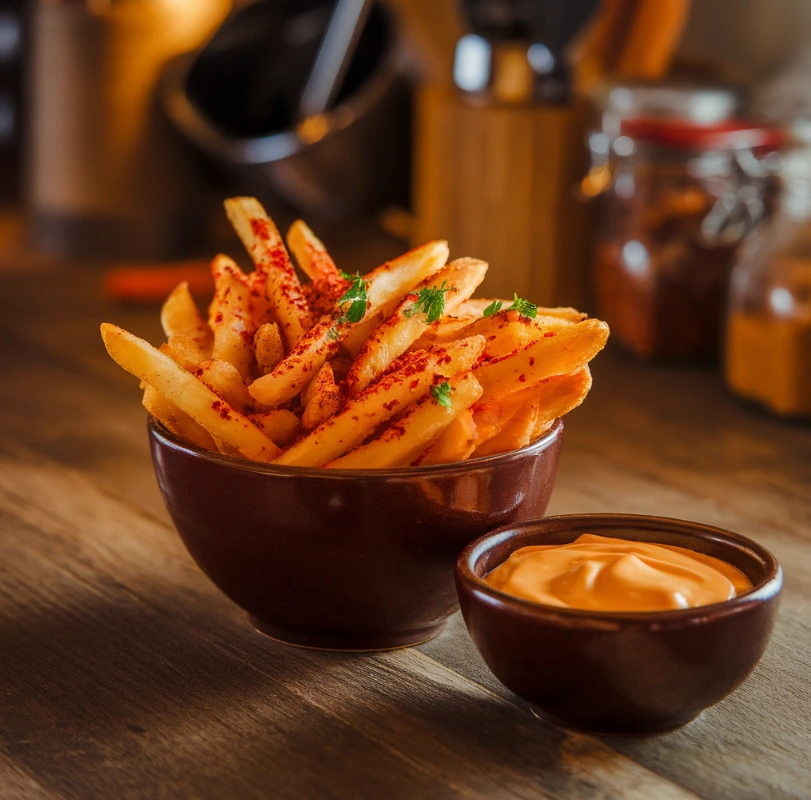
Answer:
(500, 182)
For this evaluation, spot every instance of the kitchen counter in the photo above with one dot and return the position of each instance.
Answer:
(125, 674)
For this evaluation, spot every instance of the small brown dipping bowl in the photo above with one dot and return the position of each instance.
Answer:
(344, 559)
(619, 672)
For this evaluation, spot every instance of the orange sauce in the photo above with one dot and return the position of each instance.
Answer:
(601, 573)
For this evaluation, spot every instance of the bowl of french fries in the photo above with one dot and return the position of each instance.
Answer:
(326, 443)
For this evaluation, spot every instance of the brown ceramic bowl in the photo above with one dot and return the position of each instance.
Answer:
(619, 672)
(344, 559)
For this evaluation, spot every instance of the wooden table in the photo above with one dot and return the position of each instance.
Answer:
(125, 674)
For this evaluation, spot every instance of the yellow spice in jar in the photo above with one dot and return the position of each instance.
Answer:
(769, 360)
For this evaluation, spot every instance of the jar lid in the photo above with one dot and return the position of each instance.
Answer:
(678, 133)
(705, 104)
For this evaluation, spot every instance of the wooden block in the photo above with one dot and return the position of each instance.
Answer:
(499, 183)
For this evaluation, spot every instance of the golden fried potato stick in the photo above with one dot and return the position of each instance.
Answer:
(555, 397)
(188, 393)
(476, 307)
(516, 433)
(260, 308)
(268, 346)
(394, 336)
(505, 331)
(391, 282)
(265, 246)
(384, 288)
(225, 381)
(312, 257)
(409, 435)
(409, 380)
(567, 350)
(321, 398)
(176, 421)
(180, 316)
(441, 332)
(281, 425)
(228, 316)
(185, 351)
(456, 443)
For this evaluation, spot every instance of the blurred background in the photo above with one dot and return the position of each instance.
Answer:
(648, 161)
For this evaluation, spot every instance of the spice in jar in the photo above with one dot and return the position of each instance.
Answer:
(684, 196)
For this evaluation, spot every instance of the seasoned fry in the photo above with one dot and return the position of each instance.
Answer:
(188, 393)
(281, 425)
(180, 316)
(224, 380)
(400, 368)
(440, 332)
(385, 286)
(296, 370)
(555, 397)
(409, 380)
(403, 441)
(229, 318)
(515, 434)
(185, 351)
(268, 346)
(456, 443)
(567, 350)
(392, 281)
(264, 244)
(475, 308)
(455, 283)
(321, 398)
(312, 257)
(176, 421)
(260, 309)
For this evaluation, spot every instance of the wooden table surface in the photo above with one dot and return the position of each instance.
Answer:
(125, 674)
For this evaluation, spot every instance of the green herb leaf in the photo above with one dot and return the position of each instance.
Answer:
(353, 301)
(431, 301)
(493, 308)
(523, 307)
(442, 394)
(332, 333)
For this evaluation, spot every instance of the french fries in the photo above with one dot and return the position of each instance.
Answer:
(409, 381)
(567, 350)
(228, 316)
(327, 283)
(321, 399)
(423, 423)
(397, 368)
(384, 287)
(180, 316)
(188, 393)
(264, 244)
(394, 336)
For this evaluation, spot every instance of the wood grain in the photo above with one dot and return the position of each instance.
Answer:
(124, 674)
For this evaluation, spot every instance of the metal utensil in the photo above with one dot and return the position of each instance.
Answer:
(336, 51)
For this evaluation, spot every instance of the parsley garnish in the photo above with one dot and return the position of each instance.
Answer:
(442, 394)
(493, 308)
(431, 301)
(523, 307)
(353, 301)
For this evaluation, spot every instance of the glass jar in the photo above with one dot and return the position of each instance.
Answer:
(768, 339)
(683, 197)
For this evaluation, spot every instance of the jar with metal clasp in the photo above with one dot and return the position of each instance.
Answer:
(768, 335)
(682, 197)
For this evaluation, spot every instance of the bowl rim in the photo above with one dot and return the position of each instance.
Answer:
(769, 587)
(157, 431)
